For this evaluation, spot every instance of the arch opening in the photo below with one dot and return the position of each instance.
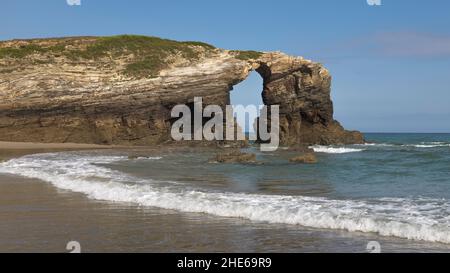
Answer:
(247, 93)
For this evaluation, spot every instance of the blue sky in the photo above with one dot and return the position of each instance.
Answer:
(390, 63)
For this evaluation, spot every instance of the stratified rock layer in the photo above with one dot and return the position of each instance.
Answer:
(47, 97)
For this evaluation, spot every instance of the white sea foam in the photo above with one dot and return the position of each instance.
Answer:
(429, 145)
(149, 158)
(421, 145)
(334, 150)
(424, 146)
(418, 219)
(375, 144)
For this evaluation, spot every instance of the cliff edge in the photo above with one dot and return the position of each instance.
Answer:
(121, 89)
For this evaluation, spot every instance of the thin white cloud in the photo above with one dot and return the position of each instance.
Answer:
(401, 44)
(412, 44)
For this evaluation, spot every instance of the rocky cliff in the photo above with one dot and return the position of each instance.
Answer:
(121, 89)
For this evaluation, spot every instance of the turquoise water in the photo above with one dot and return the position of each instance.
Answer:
(396, 165)
(391, 165)
(396, 186)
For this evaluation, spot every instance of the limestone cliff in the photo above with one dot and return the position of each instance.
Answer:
(120, 90)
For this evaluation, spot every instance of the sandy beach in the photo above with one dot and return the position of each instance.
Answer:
(15, 149)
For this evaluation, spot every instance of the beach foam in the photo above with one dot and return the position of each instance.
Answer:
(429, 145)
(417, 219)
(421, 145)
(149, 158)
(334, 150)
(375, 145)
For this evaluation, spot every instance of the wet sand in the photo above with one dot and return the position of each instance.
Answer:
(14, 149)
(5, 145)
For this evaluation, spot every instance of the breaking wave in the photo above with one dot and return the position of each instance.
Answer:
(417, 219)
(334, 150)
(421, 145)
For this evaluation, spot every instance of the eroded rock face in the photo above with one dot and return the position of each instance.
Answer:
(302, 89)
(47, 97)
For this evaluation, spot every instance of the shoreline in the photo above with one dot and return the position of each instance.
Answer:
(8, 145)
(9, 149)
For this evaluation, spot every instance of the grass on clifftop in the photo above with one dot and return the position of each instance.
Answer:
(146, 56)
(23, 51)
(246, 55)
(149, 53)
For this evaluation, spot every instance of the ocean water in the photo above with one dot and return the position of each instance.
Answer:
(395, 188)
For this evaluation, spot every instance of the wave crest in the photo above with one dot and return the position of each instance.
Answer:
(334, 150)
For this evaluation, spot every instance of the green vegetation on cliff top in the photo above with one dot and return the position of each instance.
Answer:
(149, 54)
(246, 55)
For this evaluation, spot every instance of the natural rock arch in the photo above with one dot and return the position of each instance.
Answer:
(302, 90)
(76, 100)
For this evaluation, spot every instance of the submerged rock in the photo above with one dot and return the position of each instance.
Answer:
(308, 158)
(234, 157)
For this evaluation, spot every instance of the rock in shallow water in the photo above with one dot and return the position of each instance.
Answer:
(234, 157)
(309, 158)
